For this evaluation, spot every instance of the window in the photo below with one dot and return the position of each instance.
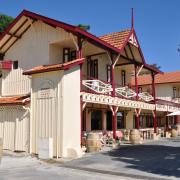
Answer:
(120, 120)
(174, 92)
(73, 55)
(123, 76)
(92, 69)
(15, 65)
(108, 73)
(96, 120)
(66, 54)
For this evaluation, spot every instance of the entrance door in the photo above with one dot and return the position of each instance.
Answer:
(96, 120)
(109, 120)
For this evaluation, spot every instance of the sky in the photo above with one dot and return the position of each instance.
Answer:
(156, 22)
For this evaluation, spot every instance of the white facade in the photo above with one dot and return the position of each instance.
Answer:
(55, 111)
(14, 128)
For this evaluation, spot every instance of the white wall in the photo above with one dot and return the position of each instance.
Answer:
(45, 110)
(71, 125)
(57, 115)
(163, 91)
(14, 128)
(33, 49)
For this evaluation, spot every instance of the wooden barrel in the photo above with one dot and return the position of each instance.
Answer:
(1, 148)
(174, 133)
(135, 136)
(93, 142)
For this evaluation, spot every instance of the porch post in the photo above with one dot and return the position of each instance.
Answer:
(79, 56)
(114, 123)
(136, 89)
(176, 120)
(154, 96)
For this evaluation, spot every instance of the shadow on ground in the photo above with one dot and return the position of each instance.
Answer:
(156, 159)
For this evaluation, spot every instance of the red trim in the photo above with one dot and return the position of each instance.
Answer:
(56, 67)
(136, 81)
(114, 125)
(137, 119)
(155, 121)
(154, 96)
(75, 30)
(55, 23)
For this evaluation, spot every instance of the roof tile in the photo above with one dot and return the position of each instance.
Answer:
(116, 39)
(169, 77)
(15, 100)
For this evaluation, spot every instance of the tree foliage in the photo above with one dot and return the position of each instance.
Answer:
(84, 27)
(4, 21)
(156, 66)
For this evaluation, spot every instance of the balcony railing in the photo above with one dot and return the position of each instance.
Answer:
(97, 86)
(145, 96)
(176, 100)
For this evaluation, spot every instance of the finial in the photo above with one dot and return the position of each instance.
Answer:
(132, 19)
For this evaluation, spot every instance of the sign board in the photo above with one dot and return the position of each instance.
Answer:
(46, 93)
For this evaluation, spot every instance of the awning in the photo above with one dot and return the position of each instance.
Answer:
(176, 113)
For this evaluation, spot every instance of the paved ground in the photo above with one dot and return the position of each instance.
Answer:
(153, 160)
(27, 168)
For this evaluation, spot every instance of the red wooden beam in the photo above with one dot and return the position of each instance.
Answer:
(154, 96)
(22, 24)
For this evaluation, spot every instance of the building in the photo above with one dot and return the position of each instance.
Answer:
(167, 94)
(59, 81)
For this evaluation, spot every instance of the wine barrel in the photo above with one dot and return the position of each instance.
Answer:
(174, 133)
(135, 136)
(93, 142)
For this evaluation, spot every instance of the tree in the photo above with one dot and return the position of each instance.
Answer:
(155, 66)
(84, 27)
(4, 21)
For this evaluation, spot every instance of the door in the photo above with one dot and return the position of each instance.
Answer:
(109, 120)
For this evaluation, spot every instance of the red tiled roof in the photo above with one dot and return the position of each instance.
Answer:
(15, 100)
(54, 67)
(116, 39)
(169, 77)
